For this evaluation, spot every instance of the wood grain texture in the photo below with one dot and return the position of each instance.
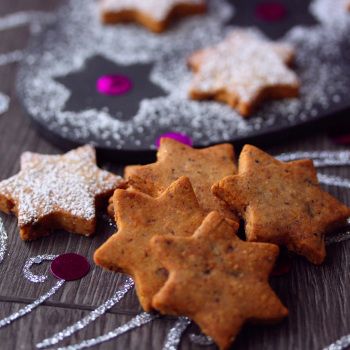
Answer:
(317, 296)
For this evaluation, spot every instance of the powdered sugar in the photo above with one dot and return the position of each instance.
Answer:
(159, 10)
(48, 184)
(4, 103)
(243, 65)
(320, 65)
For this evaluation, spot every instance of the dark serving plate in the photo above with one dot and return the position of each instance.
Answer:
(57, 79)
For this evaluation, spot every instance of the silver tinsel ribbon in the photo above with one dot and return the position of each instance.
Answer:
(3, 241)
(119, 295)
(36, 279)
(174, 336)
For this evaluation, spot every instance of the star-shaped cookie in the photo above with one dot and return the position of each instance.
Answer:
(218, 280)
(282, 203)
(243, 70)
(153, 14)
(202, 166)
(57, 192)
(139, 218)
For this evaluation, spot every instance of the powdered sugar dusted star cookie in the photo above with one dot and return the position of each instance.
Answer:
(282, 203)
(243, 70)
(218, 280)
(57, 192)
(153, 14)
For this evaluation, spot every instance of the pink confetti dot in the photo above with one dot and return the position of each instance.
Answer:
(183, 138)
(70, 266)
(113, 84)
(271, 11)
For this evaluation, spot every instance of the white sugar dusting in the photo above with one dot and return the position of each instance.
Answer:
(335, 13)
(319, 64)
(4, 103)
(156, 9)
(68, 183)
(243, 65)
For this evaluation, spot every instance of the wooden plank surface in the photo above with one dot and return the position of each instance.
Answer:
(317, 296)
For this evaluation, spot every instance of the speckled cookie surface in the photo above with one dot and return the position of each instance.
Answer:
(202, 166)
(139, 218)
(153, 14)
(218, 280)
(243, 70)
(57, 192)
(282, 203)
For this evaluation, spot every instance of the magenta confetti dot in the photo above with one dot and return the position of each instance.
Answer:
(271, 11)
(70, 266)
(183, 138)
(113, 84)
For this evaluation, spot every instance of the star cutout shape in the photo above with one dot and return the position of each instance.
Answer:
(243, 70)
(217, 280)
(57, 192)
(152, 14)
(84, 95)
(203, 167)
(282, 203)
(139, 218)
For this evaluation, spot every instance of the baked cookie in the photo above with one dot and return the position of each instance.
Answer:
(217, 280)
(139, 218)
(202, 166)
(282, 203)
(57, 192)
(152, 14)
(243, 70)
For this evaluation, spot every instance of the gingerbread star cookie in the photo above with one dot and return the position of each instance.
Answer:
(153, 14)
(202, 166)
(218, 280)
(139, 218)
(243, 70)
(57, 192)
(282, 203)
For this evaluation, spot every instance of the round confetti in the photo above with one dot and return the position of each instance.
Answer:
(70, 266)
(183, 138)
(271, 11)
(113, 84)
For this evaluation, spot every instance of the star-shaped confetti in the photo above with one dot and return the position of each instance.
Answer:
(57, 192)
(203, 167)
(139, 218)
(218, 280)
(243, 70)
(282, 203)
(153, 14)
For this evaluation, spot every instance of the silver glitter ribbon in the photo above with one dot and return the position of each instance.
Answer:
(340, 344)
(6, 321)
(174, 336)
(36, 260)
(3, 241)
(119, 295)
(201, 339)
(36, 279)
(320, 158)
(4, 103)
(135, 322)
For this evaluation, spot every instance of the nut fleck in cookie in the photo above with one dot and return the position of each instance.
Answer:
(218, 280)
(153, 14)
(282, 203)
(243, 70)
(139, 218)
(57, 192)
(202, 166)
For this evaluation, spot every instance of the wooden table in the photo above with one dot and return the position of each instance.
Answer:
(317, 296)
